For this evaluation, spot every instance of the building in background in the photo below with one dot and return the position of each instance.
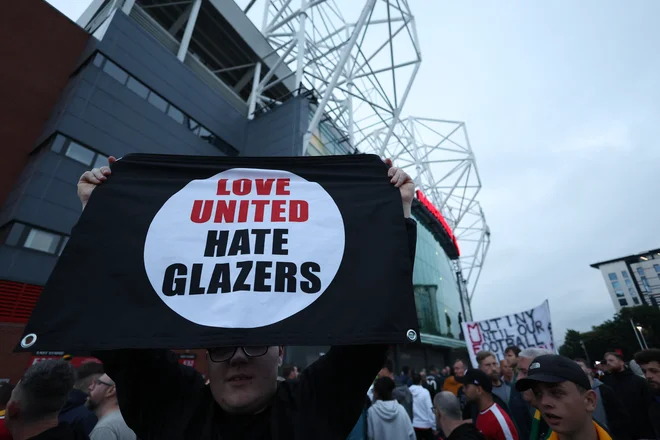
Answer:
(199, 77)
(633, 280)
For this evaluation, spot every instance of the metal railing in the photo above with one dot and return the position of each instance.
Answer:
(146, 22)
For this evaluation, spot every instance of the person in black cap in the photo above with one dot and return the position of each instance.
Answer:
(492, 421)
(564, 397)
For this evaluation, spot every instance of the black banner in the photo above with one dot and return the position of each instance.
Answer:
(194, 252)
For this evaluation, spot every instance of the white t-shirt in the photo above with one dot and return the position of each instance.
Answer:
(112, 427)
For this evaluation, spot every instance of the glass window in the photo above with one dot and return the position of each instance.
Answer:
(619, 293)
(612, 276)
(624, 273)
(205, 134)
(193, 126)
(623, 302)
(80, 153)
(136, 86)
(58, 143)
(42, 241)
(13, 234)
(616, 284)
(640, 271)
(65, 240)
(98, 60)
(115, 71)
(635, 300)
(657, 268)
(176, 114)
(631, 291)
(645, 282)
(629, 283)
(157, 101)
(100, 161)
(437, 297)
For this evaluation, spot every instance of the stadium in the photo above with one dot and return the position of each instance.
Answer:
(227, 78)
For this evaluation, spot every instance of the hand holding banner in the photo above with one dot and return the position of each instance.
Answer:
(189, 251)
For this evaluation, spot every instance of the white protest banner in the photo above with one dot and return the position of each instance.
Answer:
(531, 328)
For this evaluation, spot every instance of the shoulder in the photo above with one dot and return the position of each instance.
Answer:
(499, 409)
(102, 432)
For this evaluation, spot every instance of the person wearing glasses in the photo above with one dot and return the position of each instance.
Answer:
(102, 401)
(161, 399)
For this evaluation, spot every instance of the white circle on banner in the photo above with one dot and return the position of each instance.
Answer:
(247, 272)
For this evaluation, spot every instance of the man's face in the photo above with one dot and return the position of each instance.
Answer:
(523, 367)
(459, 369)
(100, 390)
(652, 374)
(564, 408)
(471, 392)
(294, 373)
(491, 367)
(614, 364)
(507, 371)
(523, 371)
(511, 358)
(245, 385)
(422, 374)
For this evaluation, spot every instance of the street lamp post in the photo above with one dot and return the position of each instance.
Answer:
(586, 354)
(636, 335)
(640, 328)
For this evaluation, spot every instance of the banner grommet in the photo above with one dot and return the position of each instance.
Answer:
(411, 335)
(28, 340)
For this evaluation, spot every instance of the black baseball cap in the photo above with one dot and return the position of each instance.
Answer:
(552, 368)
(477, 377)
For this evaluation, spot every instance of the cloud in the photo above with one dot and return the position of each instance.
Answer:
(562, 114)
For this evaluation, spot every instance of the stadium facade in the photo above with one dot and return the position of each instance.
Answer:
(632, 280)
(199, 77)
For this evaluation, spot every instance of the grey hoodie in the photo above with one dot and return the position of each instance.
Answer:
(388, 420)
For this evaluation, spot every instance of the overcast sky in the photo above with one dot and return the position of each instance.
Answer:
(562, 104)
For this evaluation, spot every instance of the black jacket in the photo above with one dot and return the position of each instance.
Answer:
(63, 431)
(161, 399)
(635, 395)
(466, 431)
(521, 413)
(76, 414)
(618, 418)
(654, 415)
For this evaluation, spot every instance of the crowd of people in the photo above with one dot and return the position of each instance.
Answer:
(531, 394)
(547, 396)
(142, 393)
(53, 400)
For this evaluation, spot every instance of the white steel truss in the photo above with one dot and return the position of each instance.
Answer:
(438, 155)
(359, 57)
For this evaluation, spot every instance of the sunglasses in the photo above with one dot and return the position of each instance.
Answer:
(223, 354)
(100, 382)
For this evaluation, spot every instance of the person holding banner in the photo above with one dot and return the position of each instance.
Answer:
(161, 399)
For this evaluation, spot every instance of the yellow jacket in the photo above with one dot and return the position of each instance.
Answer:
(452, 385)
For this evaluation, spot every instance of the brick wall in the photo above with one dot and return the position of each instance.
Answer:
(39, 48)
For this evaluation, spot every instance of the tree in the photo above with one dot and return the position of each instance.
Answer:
(615, 333)
(572, 348)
